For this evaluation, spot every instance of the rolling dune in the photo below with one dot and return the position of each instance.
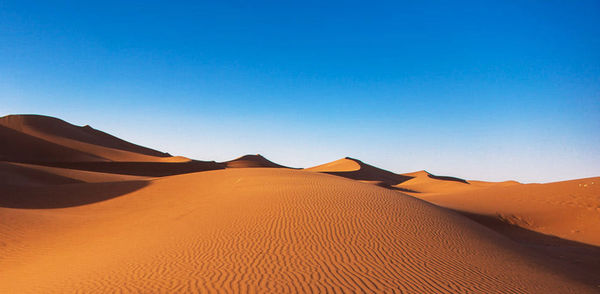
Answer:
(357, 170)
(22, 147)
(410, 182)
(83, 211)
(42, 140)
(569, 209)
(251, 161)
(260, 230)
(425, 183)
(93, 145)
(37, 175)
(560, 220)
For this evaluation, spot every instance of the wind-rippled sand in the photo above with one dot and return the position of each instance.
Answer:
(259, 230)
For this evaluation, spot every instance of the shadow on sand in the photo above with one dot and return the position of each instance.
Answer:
(62, 196)
(370, 173)
(148, 169)
(579, 261)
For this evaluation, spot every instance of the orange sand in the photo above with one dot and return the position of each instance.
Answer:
(250, 161)
(83, 211)
(265, 230)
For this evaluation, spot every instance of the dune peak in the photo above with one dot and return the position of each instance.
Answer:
(251, 160)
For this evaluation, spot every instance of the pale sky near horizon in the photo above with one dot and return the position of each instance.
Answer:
(485, 90)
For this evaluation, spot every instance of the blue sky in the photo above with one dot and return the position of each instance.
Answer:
(490, 90)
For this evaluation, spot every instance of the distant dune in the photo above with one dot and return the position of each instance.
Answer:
(569, 209)
(48, 141)
(83, 211)
(264, 230)
(357, 170)
(251, 161)
(81, 138)
(36, 175)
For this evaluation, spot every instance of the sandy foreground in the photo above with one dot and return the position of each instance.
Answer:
(70, 221)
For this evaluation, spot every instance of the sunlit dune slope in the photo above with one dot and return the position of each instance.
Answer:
(35, 134)
(423, 182)
(357, 170)
(251, 160)
(410, 182)
(257, 230)
(569, 209)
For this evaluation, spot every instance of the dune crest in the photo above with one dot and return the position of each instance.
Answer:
(263, 230)
(357, 170)
(251, 160)
(99, 146)
(84, 211)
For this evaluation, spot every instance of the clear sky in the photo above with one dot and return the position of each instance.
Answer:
(490, 90)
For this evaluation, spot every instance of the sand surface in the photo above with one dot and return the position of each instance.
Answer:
(251, 160)
(51, 139)
(83, 211)
(265, 230)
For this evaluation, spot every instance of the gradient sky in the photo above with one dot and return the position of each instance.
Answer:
(490, 90)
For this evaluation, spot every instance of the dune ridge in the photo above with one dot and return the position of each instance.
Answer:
(56, 130)
(565, 209)
(265, 230)
(355, 169)
(251, 160)
(31, 175)
(65, 137)
(84, 211)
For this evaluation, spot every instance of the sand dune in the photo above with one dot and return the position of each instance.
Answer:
(264, 230)
(37, 175)
(93, 145)
(560, 220)
(423, 182)
(410, 182)
(357, 170)
(570, 209)
(49, 141)
(21, 147)
(83, 211)
(251, 161)
(141, 168)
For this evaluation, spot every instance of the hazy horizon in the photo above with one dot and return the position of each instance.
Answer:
(495, 91)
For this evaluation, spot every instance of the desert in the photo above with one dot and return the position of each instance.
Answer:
(71, 222)
(282, 147)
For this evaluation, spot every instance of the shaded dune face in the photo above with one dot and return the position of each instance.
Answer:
(50, 128)
(84, 211)
(16, 175)
(68, 195)
(52, 142)
(447, 178)
(423, 182)
(251, 161)
(147, 169)
(27, 175)
(22, 147)
(569, 209)
(560, 220)
(36, 138)
(262, 230)
(357, 170)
